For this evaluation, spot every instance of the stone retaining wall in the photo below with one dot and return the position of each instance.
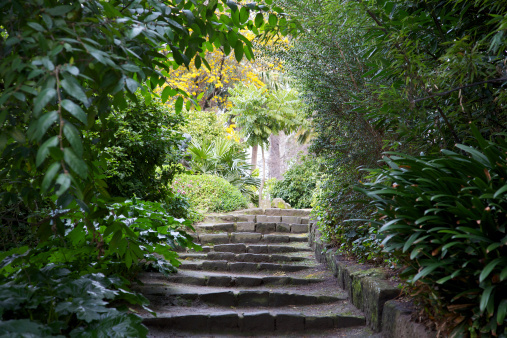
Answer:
(370, 291)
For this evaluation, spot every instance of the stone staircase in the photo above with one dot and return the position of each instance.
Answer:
(257, 276)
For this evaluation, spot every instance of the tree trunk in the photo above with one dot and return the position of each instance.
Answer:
(274, 157)
(263, 175)
(254, 157)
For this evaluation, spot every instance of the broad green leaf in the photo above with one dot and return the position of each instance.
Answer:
(502, 310)
(273, 20)
(73, 136)
(500, 191)
(427, 270)
(43, 151)
(75, 110)
(75, 162)
(42, 99)
(64, 181)
(36, 26)
(178, 106)
(132, 85)
(485, 297)
(73, 88)
(43, 124)
(168, 91)
(259, 20)
(238, 51)
(50, 175)
(488, 268)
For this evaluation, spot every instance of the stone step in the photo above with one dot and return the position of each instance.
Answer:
(201, 278)
(249, 237)
(223, 265)
(260, 227)
(258, 248)
(162, 296)
(251, 321)
(274, 212)
(216, 219)
(243, 257)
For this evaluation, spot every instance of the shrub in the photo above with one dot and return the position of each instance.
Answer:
(335, 203)
(444, 217)
(144, 139)
(298, 184)
(208, 193)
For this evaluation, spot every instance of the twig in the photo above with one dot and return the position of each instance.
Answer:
(500, 79)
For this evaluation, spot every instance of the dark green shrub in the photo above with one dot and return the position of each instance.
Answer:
(445, 219)
(145, 137)
(335, 204)
(208, 193)
(298, 184)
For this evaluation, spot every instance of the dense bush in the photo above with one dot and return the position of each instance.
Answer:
(445, 219)
(335, 205)
(208, 193)
(59, 287)
(298, 183)
(144, 139)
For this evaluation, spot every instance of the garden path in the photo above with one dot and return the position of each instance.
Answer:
(256, 276)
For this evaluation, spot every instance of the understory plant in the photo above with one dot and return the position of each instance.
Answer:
(445, 219)
(298, 183)
(209, 193)
(67, 282)
(225, 158)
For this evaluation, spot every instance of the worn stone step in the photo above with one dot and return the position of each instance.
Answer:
(258, 248)
(261, 227)
(161, 296)
(249, 237)
(274, 212)
(205, 278)
(223, 265)
(251, 322)
(243, 257)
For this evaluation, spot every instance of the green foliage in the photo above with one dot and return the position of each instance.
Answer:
(298, 183)
(208, 193)
(335, 203)
(444, 218)
(204, 125)
(223, 157)
(260, 112)
(55, 301)
(144, 138)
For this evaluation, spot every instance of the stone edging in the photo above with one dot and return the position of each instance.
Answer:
(370, 292)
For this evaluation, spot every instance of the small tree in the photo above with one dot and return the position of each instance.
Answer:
(260, 113)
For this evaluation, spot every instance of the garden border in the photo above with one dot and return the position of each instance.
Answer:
(370, 291)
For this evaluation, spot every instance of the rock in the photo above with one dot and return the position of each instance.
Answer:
(214, 238)
(291, 219)
(264, 228)
(245, 237)
(299, 228)
(253, 298)
(282, 227)
(265, 204)
(257, 321)
(289, 322)
(223, 321)
(245, 226)
(278, 203)
(237, 248)
(318, 323)
(258, 249)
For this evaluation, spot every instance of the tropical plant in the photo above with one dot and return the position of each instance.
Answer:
(209, 193)
(444, 218)
(224, 158)
(259, 113)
